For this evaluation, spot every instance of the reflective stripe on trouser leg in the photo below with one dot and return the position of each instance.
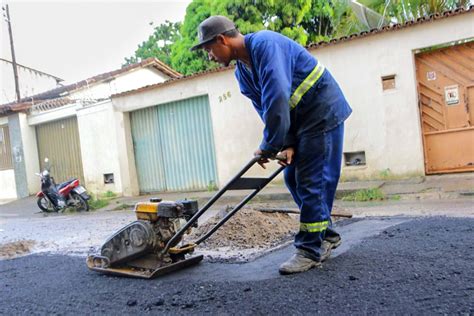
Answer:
(315, 227)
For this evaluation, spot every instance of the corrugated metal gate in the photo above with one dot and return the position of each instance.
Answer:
(446, 99)
(59, 141)
(174, 146)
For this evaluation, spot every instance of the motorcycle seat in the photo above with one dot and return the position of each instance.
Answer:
(63, 184)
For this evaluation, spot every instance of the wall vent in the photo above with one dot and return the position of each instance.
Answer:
(355, 158)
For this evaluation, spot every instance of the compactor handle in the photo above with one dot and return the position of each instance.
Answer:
(236, 183)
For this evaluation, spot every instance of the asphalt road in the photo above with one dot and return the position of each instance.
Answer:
(421, 266)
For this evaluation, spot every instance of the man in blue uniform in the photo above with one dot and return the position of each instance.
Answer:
(303, 110)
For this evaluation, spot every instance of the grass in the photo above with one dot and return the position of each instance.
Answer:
(95, 203)
(109, 195)
(364, 195)
(123, 206)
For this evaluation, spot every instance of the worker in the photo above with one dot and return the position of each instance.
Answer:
(303, 110)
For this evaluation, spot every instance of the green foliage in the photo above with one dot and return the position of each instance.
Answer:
(305, 21)
(95, 204)
(385, 174)
(404, 10)
(158, 44)
(122, 206)
(364, 195)
(212, 186)
(98, 201)
(109, 194)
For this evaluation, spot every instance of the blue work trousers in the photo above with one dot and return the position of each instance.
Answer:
(312, 180)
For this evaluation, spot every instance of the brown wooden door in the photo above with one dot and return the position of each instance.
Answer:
(446, 99)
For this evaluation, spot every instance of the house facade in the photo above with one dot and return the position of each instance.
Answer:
(410, 87)
(46, 125)
(398, 125)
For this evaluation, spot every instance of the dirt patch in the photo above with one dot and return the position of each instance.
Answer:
(16, 248)
(248, 229)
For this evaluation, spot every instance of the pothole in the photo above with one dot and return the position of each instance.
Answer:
(247, 235)
(16, 248)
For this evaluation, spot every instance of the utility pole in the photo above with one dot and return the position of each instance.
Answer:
(15, 71)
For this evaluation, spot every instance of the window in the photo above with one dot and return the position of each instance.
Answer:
(5, 149)
(388, 82)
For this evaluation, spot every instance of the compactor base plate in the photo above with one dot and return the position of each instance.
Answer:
(144, 273)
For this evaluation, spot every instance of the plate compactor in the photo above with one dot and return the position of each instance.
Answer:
(152, 245)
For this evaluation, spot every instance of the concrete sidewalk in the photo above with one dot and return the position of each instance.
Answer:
(428, 187)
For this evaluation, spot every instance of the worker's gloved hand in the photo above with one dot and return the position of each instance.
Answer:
(265, 156)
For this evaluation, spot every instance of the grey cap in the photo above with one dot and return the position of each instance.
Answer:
(211, 27)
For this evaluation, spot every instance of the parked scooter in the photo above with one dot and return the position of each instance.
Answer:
(55, 198)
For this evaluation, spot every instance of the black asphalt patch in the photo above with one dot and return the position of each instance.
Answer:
(420, 266)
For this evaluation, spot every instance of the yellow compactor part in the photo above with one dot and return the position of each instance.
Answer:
(183, 249)
(147, 211)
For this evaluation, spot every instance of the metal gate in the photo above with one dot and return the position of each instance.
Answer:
(59, 142)
(174, 146)
(446, 100)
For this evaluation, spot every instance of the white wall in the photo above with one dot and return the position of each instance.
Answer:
(127, 81)
(101, 131)
(386, 124)
(30, 152)
(7, 177)
(236, 126)
(7, 185)
(31, 82)
(99, 147)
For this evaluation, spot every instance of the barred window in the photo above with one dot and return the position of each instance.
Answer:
(5, 149)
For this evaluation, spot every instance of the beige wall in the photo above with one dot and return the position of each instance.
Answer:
(30, 152)
(134, 79)
(102, 132)
(384, 124)
(7, 177)
(31, 82)
(7, 185)
(236, 125)
(98, 147)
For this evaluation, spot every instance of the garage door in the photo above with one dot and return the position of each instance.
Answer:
(59, 142)
(446, 96)
(174, 146)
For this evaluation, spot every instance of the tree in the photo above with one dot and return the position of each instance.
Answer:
(182, 59)
(249, 16)
(305, 21)
(405, 10)
(158, 44)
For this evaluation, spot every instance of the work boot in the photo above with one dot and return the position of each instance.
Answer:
(300, 262)
(325, 249)
(333, 237)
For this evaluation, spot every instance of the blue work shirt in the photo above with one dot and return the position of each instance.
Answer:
(278, 67)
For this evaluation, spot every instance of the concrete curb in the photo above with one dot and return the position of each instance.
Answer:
(432, 187)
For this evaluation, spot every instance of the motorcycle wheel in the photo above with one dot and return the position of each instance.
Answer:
(45, 205)
(80, 203)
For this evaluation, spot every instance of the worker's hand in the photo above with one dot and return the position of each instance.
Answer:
(288, 154)
(261, 161)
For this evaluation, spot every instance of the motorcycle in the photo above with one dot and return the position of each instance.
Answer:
(56, 198)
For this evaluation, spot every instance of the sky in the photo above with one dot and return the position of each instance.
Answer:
(76, 40)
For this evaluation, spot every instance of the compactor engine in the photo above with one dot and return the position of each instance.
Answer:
(136, 249)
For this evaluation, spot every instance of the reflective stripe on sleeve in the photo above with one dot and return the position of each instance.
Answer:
(307, 83)
(314, 227)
